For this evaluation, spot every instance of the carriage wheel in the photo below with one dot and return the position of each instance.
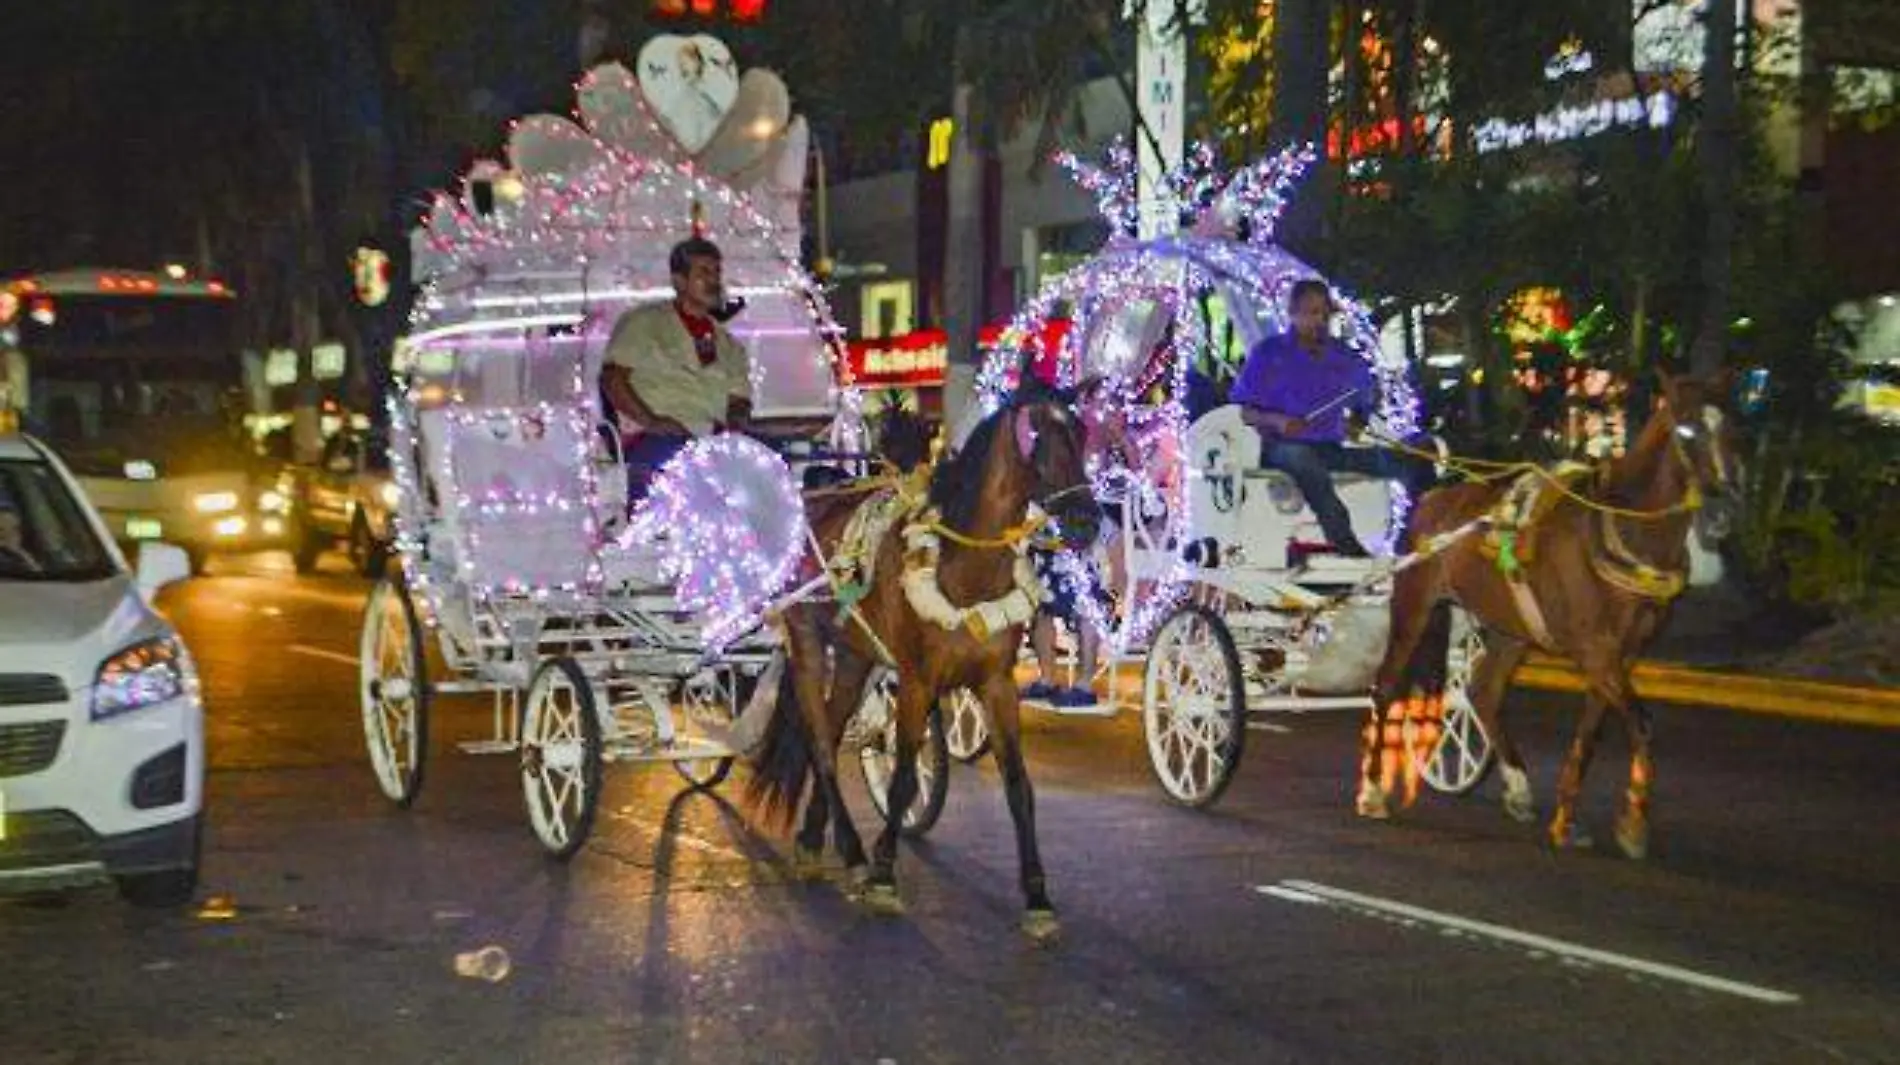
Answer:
(708, 695)
(561, 756)
(1194, 705)
(878, 756)
(1463, 754)
(394, 690)
(966, 725)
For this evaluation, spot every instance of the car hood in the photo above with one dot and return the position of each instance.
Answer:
(68, 628)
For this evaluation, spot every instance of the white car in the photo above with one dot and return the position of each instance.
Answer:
(102, 755)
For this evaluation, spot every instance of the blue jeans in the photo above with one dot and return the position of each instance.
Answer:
(1311, 464)
(645, 455)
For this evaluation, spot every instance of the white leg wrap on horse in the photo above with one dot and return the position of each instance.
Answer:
(1370, 801)
(1517, 793)
(1517, 783)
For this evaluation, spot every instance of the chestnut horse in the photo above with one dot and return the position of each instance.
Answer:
(1030, 452)
(1593, 583)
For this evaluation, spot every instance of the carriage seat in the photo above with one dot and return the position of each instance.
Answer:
(1239, 503)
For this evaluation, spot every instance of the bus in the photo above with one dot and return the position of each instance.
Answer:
(136, 380)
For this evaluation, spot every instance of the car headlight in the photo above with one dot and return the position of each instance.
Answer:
(142, 675)
(391, 495)
(271, 501)
(214, 502)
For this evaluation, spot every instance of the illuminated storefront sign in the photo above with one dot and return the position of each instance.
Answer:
(914, 360)
(1654, 111)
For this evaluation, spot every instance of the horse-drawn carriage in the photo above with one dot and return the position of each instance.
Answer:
(1219, 589)
(602, 633)
(1223, 586)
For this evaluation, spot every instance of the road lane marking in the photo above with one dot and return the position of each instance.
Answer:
(318, 652)
(1306, 891)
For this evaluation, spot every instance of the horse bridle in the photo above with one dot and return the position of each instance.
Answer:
(1680, 433)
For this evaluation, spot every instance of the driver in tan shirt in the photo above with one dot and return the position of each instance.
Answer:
(675, 369)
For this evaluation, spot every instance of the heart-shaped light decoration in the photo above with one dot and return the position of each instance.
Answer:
(751, 126)
(549, 146)
(690, 83)
(611, 107)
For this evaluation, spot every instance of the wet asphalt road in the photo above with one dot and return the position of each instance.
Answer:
(678, 934)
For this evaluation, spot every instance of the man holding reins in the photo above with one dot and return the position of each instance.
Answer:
(673, 367)
(1297, 389)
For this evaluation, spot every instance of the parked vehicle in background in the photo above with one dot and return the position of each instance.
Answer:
(344, 501)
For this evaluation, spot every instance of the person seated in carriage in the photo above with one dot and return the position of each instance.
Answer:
(674, 368)
(1300, 389)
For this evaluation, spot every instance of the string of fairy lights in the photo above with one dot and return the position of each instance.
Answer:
(1226, 246)
(577, 230)
(730, 521)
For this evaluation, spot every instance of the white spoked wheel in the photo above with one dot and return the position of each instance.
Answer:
(1194, 705)
(709, 696)
(394, 690)
(560, 756)
(1463, 753)
(966, 725)
(877, 755)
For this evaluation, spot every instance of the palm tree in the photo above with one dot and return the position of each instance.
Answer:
(1717, 158)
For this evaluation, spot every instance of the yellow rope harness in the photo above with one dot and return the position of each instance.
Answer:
(1487, 471)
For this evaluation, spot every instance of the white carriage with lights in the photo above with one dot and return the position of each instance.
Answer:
(601, 634)
(1213, 586)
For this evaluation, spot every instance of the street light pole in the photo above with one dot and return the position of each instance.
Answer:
(822, 209)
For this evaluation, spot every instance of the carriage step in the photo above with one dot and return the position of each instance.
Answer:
(488, 746)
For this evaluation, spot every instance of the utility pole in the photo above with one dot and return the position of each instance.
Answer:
(306, 432)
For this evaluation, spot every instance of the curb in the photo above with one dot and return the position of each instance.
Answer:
(1802, 700)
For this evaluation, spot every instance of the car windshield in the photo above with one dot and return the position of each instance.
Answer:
(44, 534)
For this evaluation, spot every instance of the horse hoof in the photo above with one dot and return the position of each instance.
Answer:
(882, 899)
(1520, 809)
(1372, 806)
(1568, 837)
(1041, 927)
(1632, 838)
(808, 863)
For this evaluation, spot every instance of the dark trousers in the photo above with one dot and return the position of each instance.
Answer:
(1311, 465)
(645, 455)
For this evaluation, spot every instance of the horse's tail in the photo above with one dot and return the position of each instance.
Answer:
(783, 761)
(1425, 671)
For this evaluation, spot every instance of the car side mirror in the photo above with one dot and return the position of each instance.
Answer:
(160, 565)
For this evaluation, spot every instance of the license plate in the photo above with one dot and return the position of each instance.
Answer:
(144, 529)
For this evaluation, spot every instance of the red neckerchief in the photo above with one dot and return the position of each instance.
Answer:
(702, 330)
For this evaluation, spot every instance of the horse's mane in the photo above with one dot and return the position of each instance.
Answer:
(956, 486)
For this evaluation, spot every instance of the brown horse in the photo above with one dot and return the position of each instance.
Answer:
(1590, 582)
(1030, 452)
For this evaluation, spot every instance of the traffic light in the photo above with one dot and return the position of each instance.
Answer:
(719, 10)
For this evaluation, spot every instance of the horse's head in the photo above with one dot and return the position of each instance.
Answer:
(1702, 433)
(1051, 442)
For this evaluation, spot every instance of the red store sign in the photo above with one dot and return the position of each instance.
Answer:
(919, 359)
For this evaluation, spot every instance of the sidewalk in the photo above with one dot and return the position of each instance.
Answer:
(1720, 650)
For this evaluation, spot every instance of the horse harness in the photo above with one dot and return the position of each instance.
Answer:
(904, 508)
(1529, 499)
